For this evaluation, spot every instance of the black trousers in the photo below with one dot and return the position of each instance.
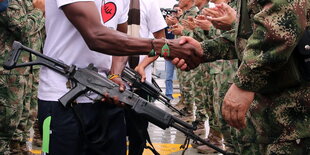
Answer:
(136, 129)
(86, 129)
(136, 132)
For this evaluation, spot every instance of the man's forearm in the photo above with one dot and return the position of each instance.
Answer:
(86, 19)
(118, 64)
(147, 61)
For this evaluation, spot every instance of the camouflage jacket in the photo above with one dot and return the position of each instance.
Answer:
(191, 12)
(266, 33)
(20, 22)
(198, 33)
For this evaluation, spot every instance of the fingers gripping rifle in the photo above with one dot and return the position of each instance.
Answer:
(131, 76)
(87, 79)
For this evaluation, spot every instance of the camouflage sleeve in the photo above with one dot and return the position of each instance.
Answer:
(187, 33)
(23, 22)
(193, 12)
(278, 28)
(222, 47)
(199, 34)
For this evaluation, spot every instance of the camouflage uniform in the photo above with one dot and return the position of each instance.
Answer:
(221, 83)
(223, 73)
(185, 77)
(214, 84)
(202, 82)
(278, 120)
(23, 23)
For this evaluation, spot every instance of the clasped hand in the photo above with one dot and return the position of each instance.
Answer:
(186, 53)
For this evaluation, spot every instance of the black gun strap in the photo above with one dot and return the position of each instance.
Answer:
(143, 134)
(152, 148)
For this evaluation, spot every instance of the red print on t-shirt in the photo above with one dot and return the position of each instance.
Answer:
(108, 11)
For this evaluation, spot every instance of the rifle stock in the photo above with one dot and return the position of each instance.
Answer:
(87, 79)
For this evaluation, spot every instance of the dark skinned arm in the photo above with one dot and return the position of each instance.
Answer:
(148, 60)
(86, 19)
(119, 62)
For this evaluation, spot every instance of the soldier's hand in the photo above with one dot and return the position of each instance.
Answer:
(200, 17)
(226, 19)
(39, 4)
(177, 29)
(236, 104)
(212, 12)
(203, 24)
(141, 71)
(170, 20)
(189, 24)
(187, 56)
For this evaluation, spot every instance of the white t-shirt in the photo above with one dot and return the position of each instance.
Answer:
(151, 20)
(64, 43)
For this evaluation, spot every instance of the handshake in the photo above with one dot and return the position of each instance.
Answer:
(185, 52)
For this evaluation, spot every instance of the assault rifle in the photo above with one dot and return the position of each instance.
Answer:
(87, 79)
(134, 79)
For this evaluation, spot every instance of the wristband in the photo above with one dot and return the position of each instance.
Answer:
(113, 76)
(165, 50)
(152, 53)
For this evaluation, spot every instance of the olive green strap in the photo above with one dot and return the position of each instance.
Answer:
(46, 134)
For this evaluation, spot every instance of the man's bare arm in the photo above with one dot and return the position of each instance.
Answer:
(85, 17)
(148, 60)
(119, 62)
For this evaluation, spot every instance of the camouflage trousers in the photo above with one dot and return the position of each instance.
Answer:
(202, 92)
(278, 123)
(15, 108)
(185, 89)
(209, 85)
(33, 111)
(222, 82)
